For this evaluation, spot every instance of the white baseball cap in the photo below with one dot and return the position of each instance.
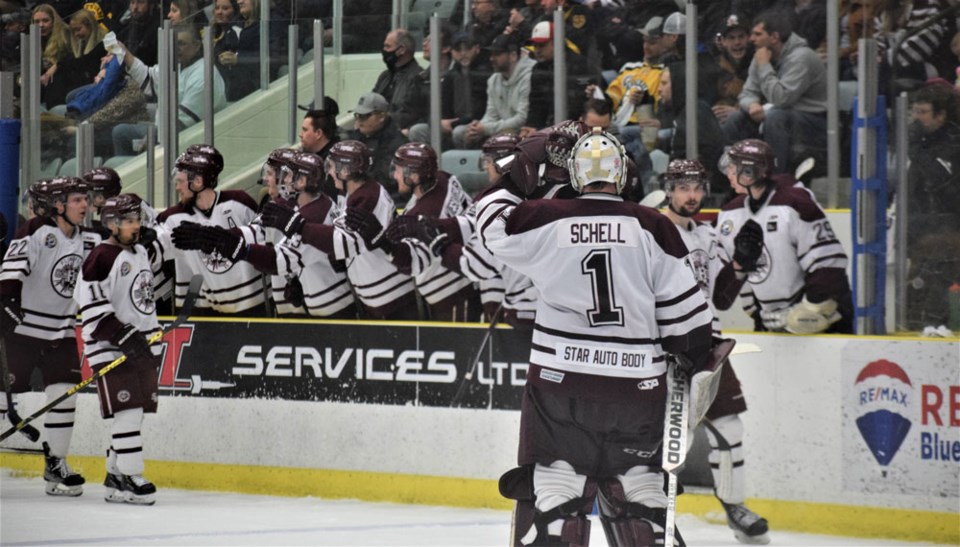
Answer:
(676, 23)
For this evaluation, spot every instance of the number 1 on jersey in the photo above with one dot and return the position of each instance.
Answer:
(605, 310)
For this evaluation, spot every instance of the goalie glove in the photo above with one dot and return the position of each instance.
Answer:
(809, 318)
(286, 220)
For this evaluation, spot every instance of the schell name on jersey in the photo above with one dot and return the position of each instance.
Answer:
(577, 232)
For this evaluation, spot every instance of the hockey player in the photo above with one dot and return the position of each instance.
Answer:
(385, 292)
(780, 252)
(434, 194)
(305, 282)
(494, 149)
(228, 288)
(116, 299)
(687, 184)
(38, 313)
(615, 298)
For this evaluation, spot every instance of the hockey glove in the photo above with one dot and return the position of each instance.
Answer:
(131, 342)
(401, 227)
(11, 314)
(282, 218)
(430, 233)
(365, 224)
(748, 246)
(147, 236)
(293, 292)
(809, 318)
(193, 236)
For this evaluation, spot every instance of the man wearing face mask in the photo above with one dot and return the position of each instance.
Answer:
(400, 82)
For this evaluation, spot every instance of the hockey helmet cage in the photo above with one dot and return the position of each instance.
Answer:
(498, 147)
(597, 157)
(104, 181)
(351, 159)
(208, 150)
(685, 171)
(419, 158)
(752, 157)
(120, 207)
(310, 166)
(199, 164)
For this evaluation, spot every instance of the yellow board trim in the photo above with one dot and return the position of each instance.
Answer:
(812, 518)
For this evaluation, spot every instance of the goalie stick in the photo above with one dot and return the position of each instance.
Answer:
(189, 300)
(476, 360)
(28, 431)
(677, 421)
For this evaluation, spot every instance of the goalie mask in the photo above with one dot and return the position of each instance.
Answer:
(689, 173)
(597, 157)
(415, 158)
(753, 160)
(117, 209)
(348, 160)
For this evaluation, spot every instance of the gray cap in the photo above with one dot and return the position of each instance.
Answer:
(371, 102)
(653, 28)
(675, 24)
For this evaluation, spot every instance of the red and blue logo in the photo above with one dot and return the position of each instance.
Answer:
(884, 397)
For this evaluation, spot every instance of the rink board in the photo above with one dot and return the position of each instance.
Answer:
(362, 411)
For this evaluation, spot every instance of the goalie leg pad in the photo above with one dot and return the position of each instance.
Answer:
(726, 457)
(552, 504)
(626, 522)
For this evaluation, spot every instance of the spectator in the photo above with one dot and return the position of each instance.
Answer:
(734, 57)
(785, 91)
(933, 220)
(579, 75)
(241, 58)
(318, 133)
(489, 20)
(187, 11)
(597, 113)
(373, 126)
(923, 55)
(14, 23)
(521, 20)
(578, 28)
(190, 88)
(226, 14)
(81, 63)
(420, 132)
(508, 95)
(55, 42)
(400, 83)
(139, 35)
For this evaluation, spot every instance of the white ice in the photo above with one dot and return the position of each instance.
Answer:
(183, 517)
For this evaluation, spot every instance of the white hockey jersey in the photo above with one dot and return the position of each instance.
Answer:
(115, 283)
(704, 261)
(615, 292)
(801, 254)
(45, 264)
(227, 287)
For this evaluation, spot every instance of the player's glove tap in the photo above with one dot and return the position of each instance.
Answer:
(748, 246)
(285, 219)
(366, 225)
(193, 236)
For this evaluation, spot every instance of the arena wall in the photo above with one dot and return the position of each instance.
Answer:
(362, 410)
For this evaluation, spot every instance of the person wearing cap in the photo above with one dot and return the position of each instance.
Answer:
(400, 83)
(508, 95)
(578, 28)
(579, 75)
(733, 58)
(489, 20)
(463, 90)
(420, 131)
(374, 126)
(784, 99)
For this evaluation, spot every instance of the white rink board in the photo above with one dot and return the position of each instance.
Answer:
(795, 428)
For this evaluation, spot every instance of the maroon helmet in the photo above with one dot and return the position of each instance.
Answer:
(351, 159)
(120, 207)
(682, 170)
(308, 165)
(499, 146)
(752, 157)
(208, 150)
(104, 181)
(419, 158)
(199, 164)
(281, 156)
(58, 188)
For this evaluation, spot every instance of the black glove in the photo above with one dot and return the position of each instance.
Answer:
(401, 227)
(748, 245)
(193, 236)
(293, 292)
(282, 218)
(429, 232)
(366, 225)
(11, 314)
(147, 236)
(131, 342)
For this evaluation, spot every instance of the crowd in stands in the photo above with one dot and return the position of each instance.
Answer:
(761, 74)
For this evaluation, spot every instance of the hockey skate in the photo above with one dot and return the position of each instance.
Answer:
(133, 489)
(61, 480)
(748, 527)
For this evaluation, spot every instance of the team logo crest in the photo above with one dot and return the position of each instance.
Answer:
(124, 269)
(141, 293)
(50, 241)
(726, 228)
(699, 263)
(764, 266)
(884, 393)
(63, 276)
(123, 396)
(215, 262)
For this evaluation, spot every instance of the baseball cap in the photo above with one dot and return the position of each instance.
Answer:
(463, 38)
(653, 28)
(676, 23)
(330, 106)
(502, 43)
(371, 102)
(542, 33)
(733, 22)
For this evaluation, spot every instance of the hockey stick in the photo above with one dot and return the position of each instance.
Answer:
(476, 360)
(192, 293)
(28, 431)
